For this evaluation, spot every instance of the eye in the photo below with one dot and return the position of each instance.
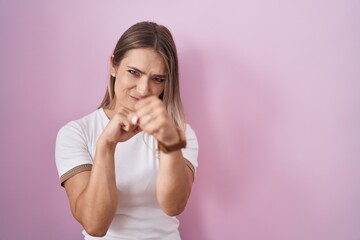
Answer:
(133, 72)
(159, 79)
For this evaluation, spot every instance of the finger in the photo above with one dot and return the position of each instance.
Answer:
(162, 131)
(123, 120)
(153, 127)
(137, 130)
(131, 133)
(119, 116)
(133, 118)
(151, 116)
(152, 108)
(129, 127)
(143, 109)
(157, 126)
(127, 112)
(146, 101)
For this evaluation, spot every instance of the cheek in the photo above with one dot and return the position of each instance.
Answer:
(158, 89)
(122, 84)
(118, 86)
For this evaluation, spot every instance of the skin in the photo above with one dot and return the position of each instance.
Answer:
(140, 79)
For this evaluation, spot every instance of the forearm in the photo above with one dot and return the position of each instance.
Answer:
(96, 205)
(173, 183)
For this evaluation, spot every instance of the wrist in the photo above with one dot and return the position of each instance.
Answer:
(176, 144)
(105, 145)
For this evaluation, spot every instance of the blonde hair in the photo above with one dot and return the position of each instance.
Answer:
(159, 38)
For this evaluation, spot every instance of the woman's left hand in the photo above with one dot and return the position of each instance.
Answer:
(153, 118)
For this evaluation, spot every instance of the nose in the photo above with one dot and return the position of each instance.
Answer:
(142, 87)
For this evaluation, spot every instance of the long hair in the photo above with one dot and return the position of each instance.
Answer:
(159, 38)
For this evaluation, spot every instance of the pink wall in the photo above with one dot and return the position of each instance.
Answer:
(271, 87)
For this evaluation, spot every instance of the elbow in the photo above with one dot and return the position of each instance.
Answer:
(96, 228)
(173, 210)
(95, 231)
(172, 206)
(95, 224)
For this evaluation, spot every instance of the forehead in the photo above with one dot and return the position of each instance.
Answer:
(144, 59)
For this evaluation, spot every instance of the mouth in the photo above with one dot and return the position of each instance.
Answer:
(135, 99)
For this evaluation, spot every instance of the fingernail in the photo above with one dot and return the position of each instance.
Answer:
(134, 120)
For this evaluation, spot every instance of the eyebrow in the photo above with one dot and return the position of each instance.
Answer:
(157, 75)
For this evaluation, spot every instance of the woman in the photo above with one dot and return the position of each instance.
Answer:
(128, 167)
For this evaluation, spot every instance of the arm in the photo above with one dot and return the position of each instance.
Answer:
(175, 178)
(174, 183)
(93, 194)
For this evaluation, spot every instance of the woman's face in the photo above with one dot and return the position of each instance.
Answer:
(141, 73)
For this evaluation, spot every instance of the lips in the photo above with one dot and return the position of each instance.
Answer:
(134, 98)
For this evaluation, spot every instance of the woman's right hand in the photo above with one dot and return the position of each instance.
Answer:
(120, 128)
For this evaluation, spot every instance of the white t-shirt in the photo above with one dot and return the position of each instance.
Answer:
(138, 215)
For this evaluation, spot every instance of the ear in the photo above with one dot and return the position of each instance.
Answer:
(112, 68)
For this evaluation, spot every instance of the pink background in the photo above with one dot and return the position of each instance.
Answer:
(271, 87)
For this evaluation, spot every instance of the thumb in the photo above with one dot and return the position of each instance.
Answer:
(133, 118)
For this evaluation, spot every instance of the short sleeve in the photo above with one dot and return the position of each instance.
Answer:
(191, 151)
(71, 152)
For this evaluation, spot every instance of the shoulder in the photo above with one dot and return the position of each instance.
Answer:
(189, 129)
(190, 134)
(74, 143)
(82, 125)
(191, 151)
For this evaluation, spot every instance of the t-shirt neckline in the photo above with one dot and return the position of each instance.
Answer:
(103, 115)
